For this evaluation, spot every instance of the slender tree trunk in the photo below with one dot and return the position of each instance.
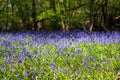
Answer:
(105, 12)
(7, 16)
(66, 16)
(63, 23)
(104, 15)
(91, 15)
(22, 15)
(53, 5)
(33, 14)
(12, 25)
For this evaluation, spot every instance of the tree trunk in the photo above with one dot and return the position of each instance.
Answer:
(104, 15)
(91, 15)
(7, 16)
(33, 14)
(52, 5)
(12, 25)
(63, 24)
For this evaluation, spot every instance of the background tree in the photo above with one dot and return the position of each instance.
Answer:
(60, 14)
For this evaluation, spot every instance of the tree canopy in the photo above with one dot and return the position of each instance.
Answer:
(92, 15)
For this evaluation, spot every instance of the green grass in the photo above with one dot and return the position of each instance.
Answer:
(94, 62)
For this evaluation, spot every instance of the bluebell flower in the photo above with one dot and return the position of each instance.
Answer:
(79, 70)
(72, 54)
(41, 70)
(84, 77)
(53, 66)
(65, 71)
(22, 55)
(96, 64)
(15, 55)
(26, 74)
(31, 68)
(18, 77)
(19, 61)
(103, 59)
(89, 67)
(33, 75)
(3, 69)
(79, 51)
(7, 59)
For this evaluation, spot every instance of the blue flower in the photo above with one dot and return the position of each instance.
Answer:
(31, 68)
(65, 71)
(79, 51)
(84, 77)
(79, 70)
(41, 70)
(18, 77)
(19, 61)
(53, 66)
(26, 74)
(96, 64)
(4, 69)
(33, 75)
(7, 59)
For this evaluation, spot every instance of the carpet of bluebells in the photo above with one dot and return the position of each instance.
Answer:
(74, 55)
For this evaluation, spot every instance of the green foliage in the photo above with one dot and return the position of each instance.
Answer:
(73, 11)
(94, 62)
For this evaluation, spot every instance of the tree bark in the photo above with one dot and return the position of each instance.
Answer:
(91, 15)
(33, 14)
(104, 15)
(7, 16)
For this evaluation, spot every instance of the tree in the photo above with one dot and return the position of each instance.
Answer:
(59, 14)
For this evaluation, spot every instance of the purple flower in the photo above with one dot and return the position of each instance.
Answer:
(31, 68)
(72, 54)
(53, 66)
(79, 70)
(89, 67)
(33, 75)
(96, 64)
(7, 59)
(15, 55)
(65, 71)
(19, 61)
(88, 48)
(18, 77)
(41, 70)
(84, 77)
(26, 74)
(103, 59)
(79, 51)
(22, 55)
(4, 69)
